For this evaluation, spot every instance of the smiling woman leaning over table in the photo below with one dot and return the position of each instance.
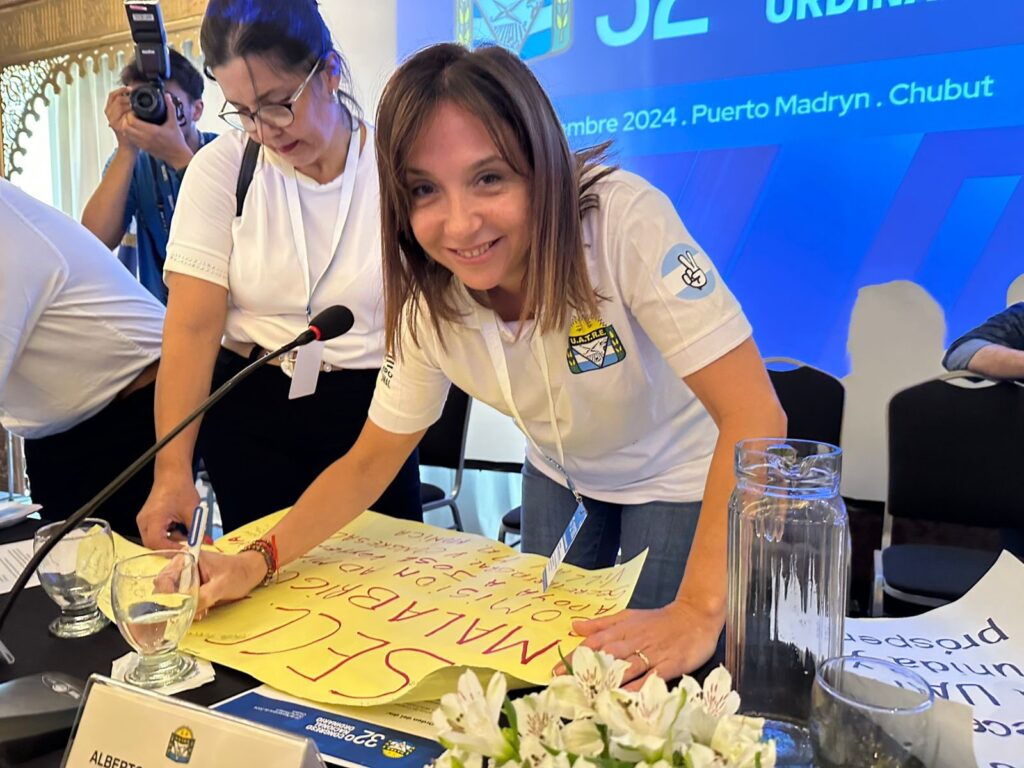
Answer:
(570, 296)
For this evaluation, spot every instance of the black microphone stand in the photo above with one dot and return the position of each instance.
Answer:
(86, 509)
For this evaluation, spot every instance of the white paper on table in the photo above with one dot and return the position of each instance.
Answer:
(13, 558)
(202, 674)
(970, 652)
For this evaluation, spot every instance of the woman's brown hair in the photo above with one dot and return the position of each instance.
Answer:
(497, 88)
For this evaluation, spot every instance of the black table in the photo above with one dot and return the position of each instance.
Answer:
(36, 650)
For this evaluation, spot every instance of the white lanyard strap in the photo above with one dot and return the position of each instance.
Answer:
(348, 184)
(492, 338)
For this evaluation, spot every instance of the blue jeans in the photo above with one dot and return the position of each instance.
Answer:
(665, 528)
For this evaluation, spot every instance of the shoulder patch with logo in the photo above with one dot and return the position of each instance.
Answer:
(688, 273)
(593, 345)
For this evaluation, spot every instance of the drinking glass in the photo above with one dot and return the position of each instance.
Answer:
(870, 713)
(73, 573)
(154, 598)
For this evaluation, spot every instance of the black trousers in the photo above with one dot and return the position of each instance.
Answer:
(262, 450)
(70, 468)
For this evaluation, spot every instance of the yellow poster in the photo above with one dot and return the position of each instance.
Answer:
(389, 610)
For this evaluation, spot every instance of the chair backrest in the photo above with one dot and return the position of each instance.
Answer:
(812, 399)
(444, 443)
(956, 452)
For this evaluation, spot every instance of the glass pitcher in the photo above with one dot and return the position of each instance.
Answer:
(789, 550)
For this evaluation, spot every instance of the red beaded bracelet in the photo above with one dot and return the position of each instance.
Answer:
(269, 551)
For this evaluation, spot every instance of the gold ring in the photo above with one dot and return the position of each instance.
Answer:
(643, 657)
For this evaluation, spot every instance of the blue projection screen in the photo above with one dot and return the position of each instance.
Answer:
(811, 146)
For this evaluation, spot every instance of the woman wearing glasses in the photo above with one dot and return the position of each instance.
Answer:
(307, 237)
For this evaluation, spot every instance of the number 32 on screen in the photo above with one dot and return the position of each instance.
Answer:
(664, 28)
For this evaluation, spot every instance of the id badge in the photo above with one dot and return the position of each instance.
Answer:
(564, 543)
(306, 370)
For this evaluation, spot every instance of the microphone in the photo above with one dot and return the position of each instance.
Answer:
(326, 325)
(329, 324)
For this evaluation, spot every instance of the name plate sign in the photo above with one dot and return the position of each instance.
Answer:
(124, 727)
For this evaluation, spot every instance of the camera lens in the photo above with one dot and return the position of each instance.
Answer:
(147, 102)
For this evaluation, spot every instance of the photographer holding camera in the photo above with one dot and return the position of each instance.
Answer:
(143, 176)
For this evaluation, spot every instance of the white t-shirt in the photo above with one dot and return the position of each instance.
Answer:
(75, 327)
(271, 275)
(629, 430)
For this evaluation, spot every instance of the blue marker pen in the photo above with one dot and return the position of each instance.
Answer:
(197, 531)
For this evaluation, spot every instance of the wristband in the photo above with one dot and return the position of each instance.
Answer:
(268, 549)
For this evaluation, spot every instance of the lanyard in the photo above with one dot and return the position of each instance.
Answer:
(348, 184)
(492, 338)
(165, 194)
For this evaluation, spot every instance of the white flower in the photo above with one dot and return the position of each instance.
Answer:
(738, 739)
(680, 735)
(715, 701)
(582, 737)
(691, 725)
(640, 723)
(541, 726)
(468, 718)
(547, 760)
(531, 750)
(456, 758)
(538, 715)
(659, 764)
(759, 755)
(718, 696)
(703, 757)
(592, 674)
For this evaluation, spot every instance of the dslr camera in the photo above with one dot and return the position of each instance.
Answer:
(152, 57)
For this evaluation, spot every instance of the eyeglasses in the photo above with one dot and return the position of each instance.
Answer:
(274, 115)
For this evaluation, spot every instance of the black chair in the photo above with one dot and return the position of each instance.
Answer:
(444, 445)
(511, 521)
(956, 455)
(812, 399)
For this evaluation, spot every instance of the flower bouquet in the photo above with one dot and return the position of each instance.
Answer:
(586, 720)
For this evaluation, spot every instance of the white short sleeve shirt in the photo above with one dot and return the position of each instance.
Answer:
(606, 393)
(75, 327)
(257, 257)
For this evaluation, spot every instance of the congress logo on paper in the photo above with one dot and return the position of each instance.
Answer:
(687, 272)
(179, 748)
(395, 748)
(593, 345)
(532, 29)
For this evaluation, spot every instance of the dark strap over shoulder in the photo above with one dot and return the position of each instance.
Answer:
(245, 172)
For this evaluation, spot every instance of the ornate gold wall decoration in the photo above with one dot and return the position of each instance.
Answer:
(22, 92)
(39, 39)
(38, 29)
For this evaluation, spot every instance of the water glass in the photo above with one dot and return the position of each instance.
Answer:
(154, 597)
(74, 572)
(870, 713)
